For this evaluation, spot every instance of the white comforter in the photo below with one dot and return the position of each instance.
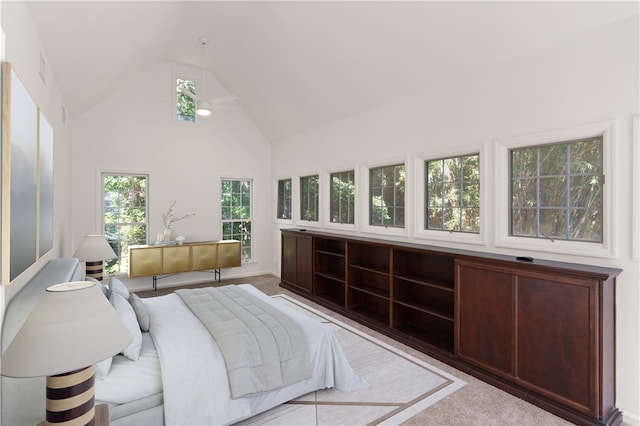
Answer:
(195, 384)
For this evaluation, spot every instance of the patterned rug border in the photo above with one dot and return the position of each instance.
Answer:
(411, 408)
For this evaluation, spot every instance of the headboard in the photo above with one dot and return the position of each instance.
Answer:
(23, 400)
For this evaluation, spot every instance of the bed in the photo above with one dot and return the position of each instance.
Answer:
(180, 374)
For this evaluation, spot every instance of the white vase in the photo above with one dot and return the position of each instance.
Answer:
(167, 234)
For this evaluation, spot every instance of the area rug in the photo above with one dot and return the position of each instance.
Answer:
(400, 385)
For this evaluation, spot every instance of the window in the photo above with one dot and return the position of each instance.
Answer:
(284, 199)
(557, 191)
(342, 197)
(236, 204)
(309, 198)
(452, 194)
(186, 105)
(386, 200)
(125, 216)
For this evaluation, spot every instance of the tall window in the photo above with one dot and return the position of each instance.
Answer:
(309, 188)
(342, 197)
(284, 199)
(236, 202)
(125, 216)
(453, 194)
(557, 190)
(186, 105)
(386, 196)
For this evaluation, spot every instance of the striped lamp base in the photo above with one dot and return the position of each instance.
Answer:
(70, 398)
(94, 269)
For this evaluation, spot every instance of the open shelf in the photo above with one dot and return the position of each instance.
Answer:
(425, 326)
(329, 288)
(369, 281)
(369, 304)
(331, 246)
(368, 256)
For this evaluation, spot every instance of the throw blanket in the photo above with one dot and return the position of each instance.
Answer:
(263, 348)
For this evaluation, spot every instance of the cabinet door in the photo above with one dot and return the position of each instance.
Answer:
(304, 263)
(297, 267)
(229, 254)
(557, 339)
(145, 261)
(204, 256)
(176, 259)
(485, 318)
(288, 261)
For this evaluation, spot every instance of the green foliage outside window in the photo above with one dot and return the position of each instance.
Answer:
(236, 213)
(309, 198)
(453, 194)
(557, 191)
(387, 188)
(284, 199)
(186, 106)
(342, 197)
(124, 216)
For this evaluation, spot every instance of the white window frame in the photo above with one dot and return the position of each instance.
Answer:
(100, 198)
(419, 176)
(277, 219)
(251, 216)
(325, 200)
(184, 76)
(364, 201)
(606, 249)
(295, 200)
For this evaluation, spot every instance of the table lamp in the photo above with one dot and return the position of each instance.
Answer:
(93, 250)
(72, 327)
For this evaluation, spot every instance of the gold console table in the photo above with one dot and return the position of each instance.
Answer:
(154, 260)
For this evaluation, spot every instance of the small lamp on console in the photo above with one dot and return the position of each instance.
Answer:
(62, 338)
(93, 250)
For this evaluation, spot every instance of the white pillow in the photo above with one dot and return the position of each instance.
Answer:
(141, 311)
(103, 367)
(102, 287)
(128, 317)
(119, 287)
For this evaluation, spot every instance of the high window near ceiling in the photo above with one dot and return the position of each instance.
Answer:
(236, 204)
(185, 104)
(386, 196)
(557, 190)
(452, 194)
(342, 197)
(124, 215)
(284, 199)
(309, 197)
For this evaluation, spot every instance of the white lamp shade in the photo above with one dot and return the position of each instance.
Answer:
(72, 326)
(94, 248)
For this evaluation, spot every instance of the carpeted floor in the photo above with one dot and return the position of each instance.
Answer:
(477, 403)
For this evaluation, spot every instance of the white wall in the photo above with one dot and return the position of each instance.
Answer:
(588, 79)
(23, 49)
(135, 130)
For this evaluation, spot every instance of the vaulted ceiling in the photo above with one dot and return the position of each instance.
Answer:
(300, 65)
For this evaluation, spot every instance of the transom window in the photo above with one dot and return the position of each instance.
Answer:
(452, 194)
(125, 216)
(186, 105)
(309, 188)
(557, 190)
(236, 204)
(386, 199)
(342, 197)
(284, 199)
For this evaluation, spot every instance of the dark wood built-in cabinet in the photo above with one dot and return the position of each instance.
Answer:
(542, 330)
